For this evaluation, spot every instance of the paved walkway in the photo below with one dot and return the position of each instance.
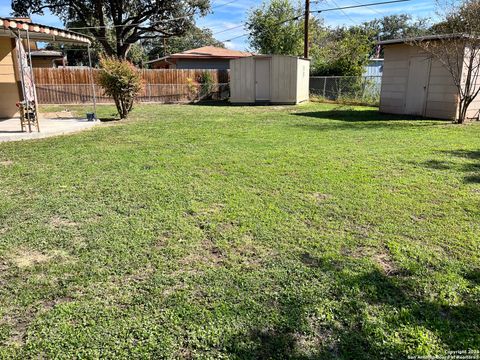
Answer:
(10, 128)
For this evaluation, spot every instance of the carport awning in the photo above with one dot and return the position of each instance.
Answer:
(38, 32)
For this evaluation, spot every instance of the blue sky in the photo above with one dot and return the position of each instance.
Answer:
(227, 14)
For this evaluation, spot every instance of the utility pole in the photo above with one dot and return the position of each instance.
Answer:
(305, 31)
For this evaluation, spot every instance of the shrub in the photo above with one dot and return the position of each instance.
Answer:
(192, 89)
(120, 80)
(207, 85)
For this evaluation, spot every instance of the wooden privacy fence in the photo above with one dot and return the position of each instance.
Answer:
(73, 86)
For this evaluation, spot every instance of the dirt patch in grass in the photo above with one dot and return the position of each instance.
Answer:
(385, 263)
(19, 328)
(308, 344)
(50, 304)
(19, 323)
(226, 227)
(381, 257)
(320, 198)
(388, 266)
(25, 258)
(6, 162)
(60, 222)
(207, 253)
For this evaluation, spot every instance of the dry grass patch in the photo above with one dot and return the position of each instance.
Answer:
(59, 222)
(25, 258)
(319, 197)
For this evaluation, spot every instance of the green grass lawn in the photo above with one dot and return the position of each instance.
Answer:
(217, 232)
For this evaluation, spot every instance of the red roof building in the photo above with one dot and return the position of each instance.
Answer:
(207, 57)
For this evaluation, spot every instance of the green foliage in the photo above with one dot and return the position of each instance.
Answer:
(460, 17)
(341, 52)
(120, 80)
(207, 84)
(396, 27)
(137, 55)
(271, 33)
(193, 38)
(117, 25)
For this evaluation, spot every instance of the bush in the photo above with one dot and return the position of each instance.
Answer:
(207, 85)
(120, 80)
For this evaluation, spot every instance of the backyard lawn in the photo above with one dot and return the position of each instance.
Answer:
(216, 232)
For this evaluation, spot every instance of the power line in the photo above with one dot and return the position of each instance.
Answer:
(344, 13)
(322, 11)
(358, 6)
(228, 29)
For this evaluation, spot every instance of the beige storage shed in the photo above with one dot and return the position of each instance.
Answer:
(274, 79)
(413, 83)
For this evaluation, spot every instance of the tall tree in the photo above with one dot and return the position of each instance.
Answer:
(458, 49)
(341, 51)
(396, 27)
(193, 38)
(276, 28)
(118, 24)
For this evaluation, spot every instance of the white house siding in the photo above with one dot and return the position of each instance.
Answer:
(373, 68)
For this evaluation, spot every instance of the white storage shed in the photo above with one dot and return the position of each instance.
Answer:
(414, 83)
(274, 79)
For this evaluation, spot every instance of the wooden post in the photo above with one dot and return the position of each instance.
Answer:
(307, 18)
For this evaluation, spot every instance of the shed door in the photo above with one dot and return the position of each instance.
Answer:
(417, 85)
(262, 79)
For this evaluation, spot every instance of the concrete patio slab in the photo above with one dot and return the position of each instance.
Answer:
(10, 128)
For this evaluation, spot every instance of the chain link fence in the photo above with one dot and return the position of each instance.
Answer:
(347, 89)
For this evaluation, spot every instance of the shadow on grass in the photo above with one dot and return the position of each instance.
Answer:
(356, 333)
(472, 168)
(226, 103)
(360, 119)
(109, 119)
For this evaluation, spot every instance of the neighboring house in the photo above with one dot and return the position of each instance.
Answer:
(48, 59)
(207, 57)
(274, 79)
(373, 68)
(15, 77)
(415, 84)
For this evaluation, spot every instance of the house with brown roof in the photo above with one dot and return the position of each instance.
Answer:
(207, 57)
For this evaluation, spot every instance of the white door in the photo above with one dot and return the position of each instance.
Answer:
(417, 87)
(262, 79)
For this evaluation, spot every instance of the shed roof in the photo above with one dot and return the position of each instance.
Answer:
(205, 52)
(39, 32)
